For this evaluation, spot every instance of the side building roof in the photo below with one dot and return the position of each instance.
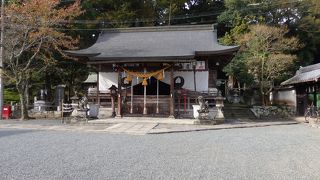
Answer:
(92, 78)
(154, 43)
(305, 74)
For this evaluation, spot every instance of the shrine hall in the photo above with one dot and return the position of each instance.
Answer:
(156, 71)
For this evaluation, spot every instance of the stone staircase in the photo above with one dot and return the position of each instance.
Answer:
(237, 112)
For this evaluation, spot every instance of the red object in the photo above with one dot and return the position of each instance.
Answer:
(6, 112)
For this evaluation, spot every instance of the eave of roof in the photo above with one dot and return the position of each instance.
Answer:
(305, 74)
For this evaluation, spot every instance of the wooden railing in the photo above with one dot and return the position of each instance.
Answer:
(183, 101)
(151, 104)
(103, 98)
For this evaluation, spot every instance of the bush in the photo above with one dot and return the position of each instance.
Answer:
(10, 95)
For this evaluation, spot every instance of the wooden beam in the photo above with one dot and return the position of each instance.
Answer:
(131, 98)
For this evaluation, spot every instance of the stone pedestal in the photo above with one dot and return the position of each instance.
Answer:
(219, 114)
(219, 104)
(40, 105)
(79, 115)
(206, 118)
(209, 117)
(195, 111)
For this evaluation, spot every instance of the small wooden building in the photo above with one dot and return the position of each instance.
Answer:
(161, 70)
(306, 83)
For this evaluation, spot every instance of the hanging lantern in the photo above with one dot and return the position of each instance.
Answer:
(144, 82)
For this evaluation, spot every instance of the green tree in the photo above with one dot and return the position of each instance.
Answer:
(268, 54)
(166, 9)
(270, 11)
(301, 18)
(238, 69)
(119, 13)
(72, 74)
(308, 31)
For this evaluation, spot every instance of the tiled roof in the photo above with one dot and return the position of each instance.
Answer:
(155, 43)
(305, 74)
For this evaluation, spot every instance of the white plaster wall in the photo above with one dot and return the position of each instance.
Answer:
(287, 97)
(107, 79)
(201, 79)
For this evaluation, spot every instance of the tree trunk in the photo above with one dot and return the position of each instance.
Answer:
(26, 94)
(48, 88)
(262, 95)
(170, 9)
(23, 104)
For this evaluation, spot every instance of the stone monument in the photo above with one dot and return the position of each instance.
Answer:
(40, 104)
(59, 96)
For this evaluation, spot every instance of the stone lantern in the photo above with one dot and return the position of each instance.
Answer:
(219, 104)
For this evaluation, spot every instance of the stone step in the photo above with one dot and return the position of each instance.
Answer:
(237, 112)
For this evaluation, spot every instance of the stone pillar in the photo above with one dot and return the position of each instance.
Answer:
(219, 104)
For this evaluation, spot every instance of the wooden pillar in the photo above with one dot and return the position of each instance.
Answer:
(98, 90)
(185, 100)
(315, 94)
(157, 108)
(119, 93)
(171, 115)
(131, 99)
(145, 97)
(194, 78)
(145, 100)
(113, 106)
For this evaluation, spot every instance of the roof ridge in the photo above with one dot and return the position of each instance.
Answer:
(309, 68)
(162, 28)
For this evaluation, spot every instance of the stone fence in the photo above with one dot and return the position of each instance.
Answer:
(266, 112)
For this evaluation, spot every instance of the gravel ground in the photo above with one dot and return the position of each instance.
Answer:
(275, 152)
(43, 122)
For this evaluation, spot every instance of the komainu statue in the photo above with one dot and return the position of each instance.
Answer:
(204, 106)
(83, 103)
